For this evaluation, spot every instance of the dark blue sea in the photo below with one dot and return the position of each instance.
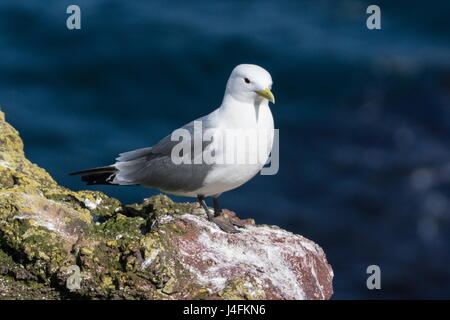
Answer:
(364, 115)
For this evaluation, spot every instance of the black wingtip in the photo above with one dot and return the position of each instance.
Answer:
(101, 175)
(110, 169)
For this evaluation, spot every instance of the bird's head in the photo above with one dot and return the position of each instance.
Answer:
(250, 83)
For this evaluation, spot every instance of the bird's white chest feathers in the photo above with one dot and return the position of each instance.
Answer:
(252, 130)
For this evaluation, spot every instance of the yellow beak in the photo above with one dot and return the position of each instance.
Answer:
(267, 94)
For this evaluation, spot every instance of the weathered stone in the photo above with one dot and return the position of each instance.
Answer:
(155, 250)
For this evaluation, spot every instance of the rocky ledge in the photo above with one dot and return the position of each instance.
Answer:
(53, 239)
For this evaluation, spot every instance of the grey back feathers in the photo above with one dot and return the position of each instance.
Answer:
(153, 167)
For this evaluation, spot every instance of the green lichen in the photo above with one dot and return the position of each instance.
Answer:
(243, 289)
(11, 288)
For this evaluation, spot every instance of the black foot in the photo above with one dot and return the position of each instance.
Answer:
(221, 221)
(225, 224)
(230, 218)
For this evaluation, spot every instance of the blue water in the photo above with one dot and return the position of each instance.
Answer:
(364, 116)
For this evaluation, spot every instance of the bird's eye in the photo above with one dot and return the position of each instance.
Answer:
(247, 80)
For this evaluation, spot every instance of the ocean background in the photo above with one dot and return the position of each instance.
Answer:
(364, 115)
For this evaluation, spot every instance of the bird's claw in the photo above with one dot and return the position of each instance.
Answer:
(231, 218)
(225, 224)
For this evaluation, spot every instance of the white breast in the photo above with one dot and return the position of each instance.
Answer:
(247, 123)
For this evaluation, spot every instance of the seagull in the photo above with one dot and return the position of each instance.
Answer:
(245, 106)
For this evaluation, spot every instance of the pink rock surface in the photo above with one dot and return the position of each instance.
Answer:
(266, 261)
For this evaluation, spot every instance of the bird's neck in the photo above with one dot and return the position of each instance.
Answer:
(247, 111)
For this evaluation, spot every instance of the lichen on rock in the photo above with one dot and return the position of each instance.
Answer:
(158, 249)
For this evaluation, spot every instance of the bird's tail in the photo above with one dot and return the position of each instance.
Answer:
(101, 175)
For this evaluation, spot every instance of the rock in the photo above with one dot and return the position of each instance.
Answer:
(155, 250)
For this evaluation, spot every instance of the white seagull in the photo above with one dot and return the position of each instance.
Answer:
(245, 106)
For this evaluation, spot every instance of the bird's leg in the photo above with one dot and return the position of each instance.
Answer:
(219, 213)
(201, 200)
(220, 221)
(216, 206)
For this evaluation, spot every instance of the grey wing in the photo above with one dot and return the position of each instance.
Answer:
(162, 148)
(153, 166)
(134, 154)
